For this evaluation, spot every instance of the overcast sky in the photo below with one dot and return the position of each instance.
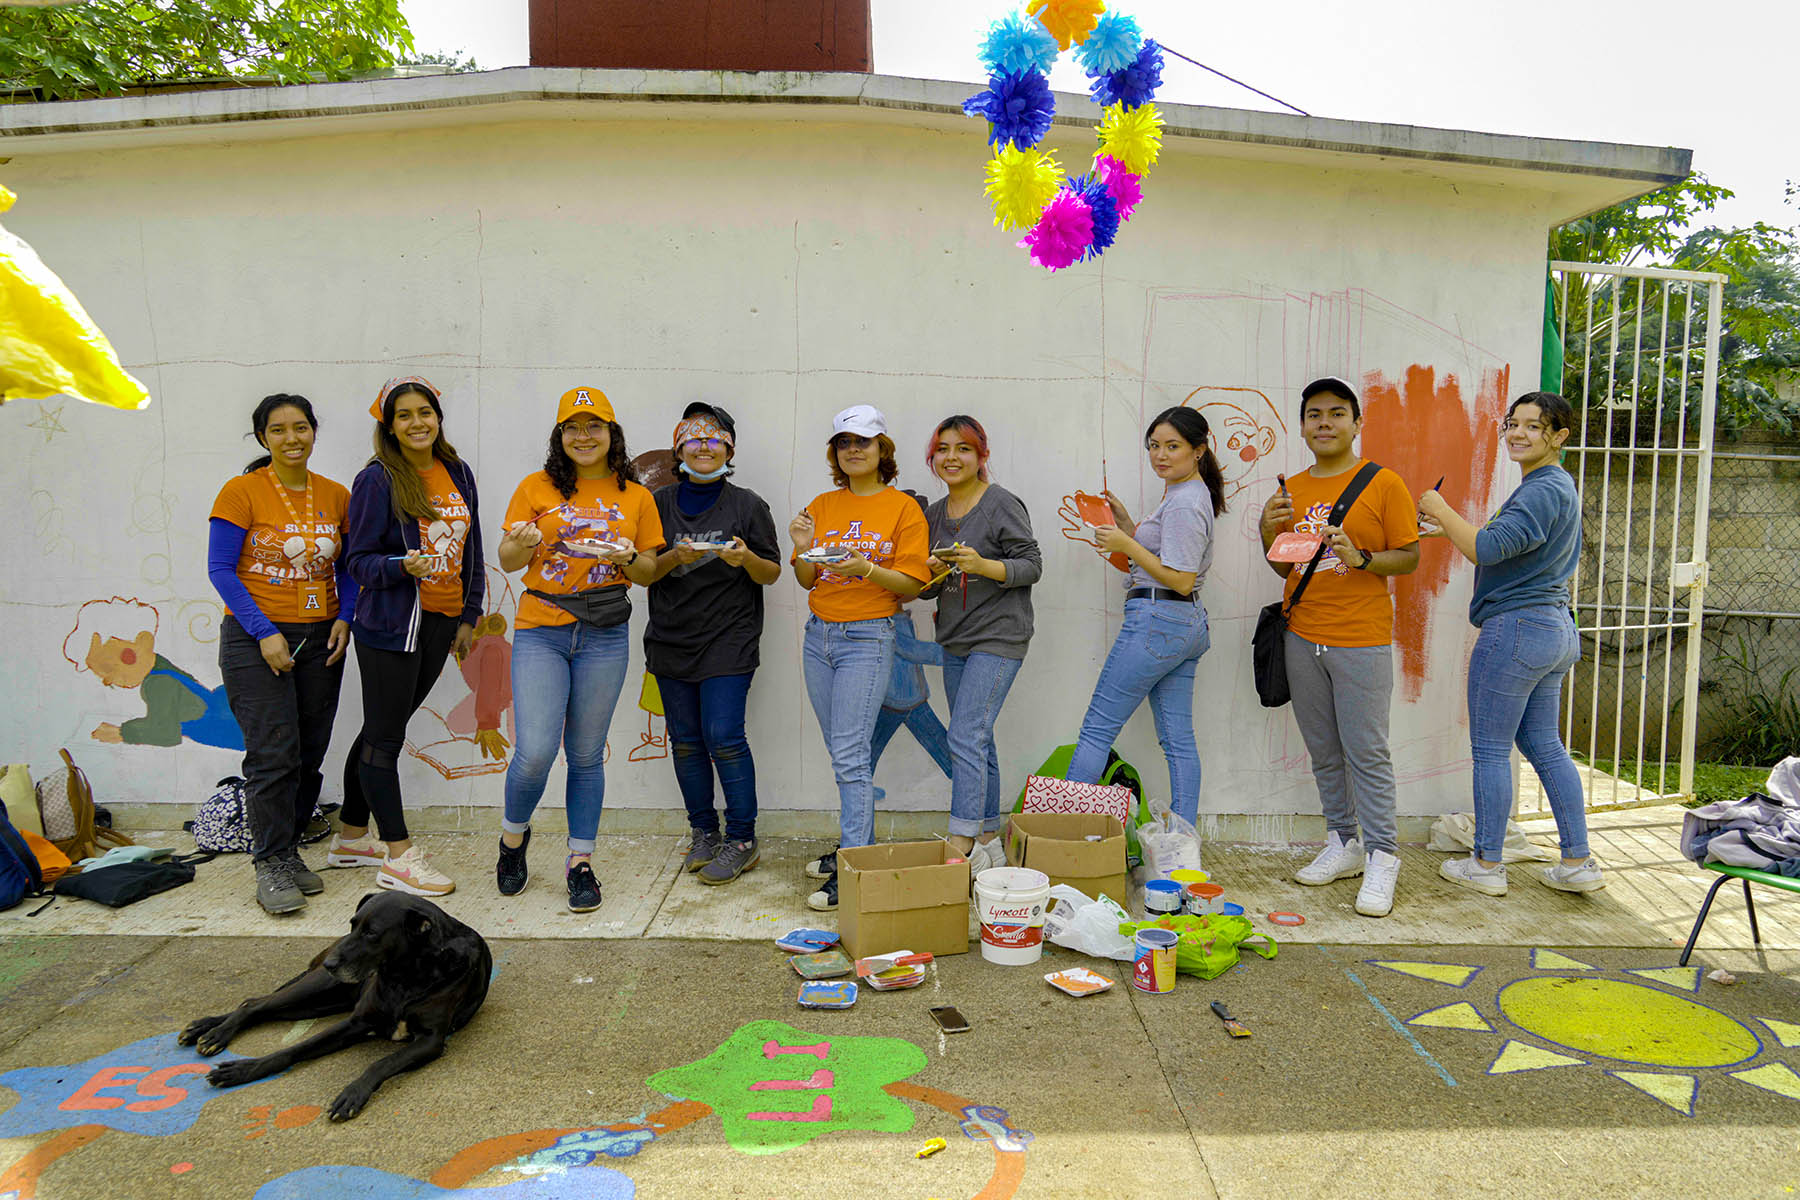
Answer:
(1718, 78)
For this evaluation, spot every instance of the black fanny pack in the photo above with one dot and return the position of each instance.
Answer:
(600, 608)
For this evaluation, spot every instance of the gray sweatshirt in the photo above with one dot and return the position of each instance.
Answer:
(990, 617)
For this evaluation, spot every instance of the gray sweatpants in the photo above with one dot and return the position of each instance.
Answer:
(1341, 696)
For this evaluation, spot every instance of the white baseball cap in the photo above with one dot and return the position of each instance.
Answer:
(864, 420)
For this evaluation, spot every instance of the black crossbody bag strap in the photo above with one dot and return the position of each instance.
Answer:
(1338, 512)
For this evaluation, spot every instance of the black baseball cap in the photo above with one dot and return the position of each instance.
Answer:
(1336, 387)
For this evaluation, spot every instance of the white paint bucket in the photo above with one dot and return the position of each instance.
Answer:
(1010, 903)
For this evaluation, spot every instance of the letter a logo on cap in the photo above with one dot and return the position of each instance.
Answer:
(582, 397)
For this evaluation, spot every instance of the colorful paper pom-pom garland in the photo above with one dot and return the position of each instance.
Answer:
(1067, 219)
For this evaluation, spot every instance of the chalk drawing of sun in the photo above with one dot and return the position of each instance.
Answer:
(1647, 1034)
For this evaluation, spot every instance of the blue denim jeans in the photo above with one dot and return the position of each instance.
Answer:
(566, 681)
(706, 733)
(1154, 657)
(1515, 692)
(847, 665)
(976, 685)
(927, 730)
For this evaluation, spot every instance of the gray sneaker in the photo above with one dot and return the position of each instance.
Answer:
(1582, 877)
(733, 859)
(702, 845)
(306, 880)
(275, 889)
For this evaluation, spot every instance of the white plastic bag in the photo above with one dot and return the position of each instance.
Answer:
(1090, 926)
(1169, 843)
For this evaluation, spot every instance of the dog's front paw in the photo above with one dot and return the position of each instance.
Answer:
(349, 1102)
(209, 1035)
(191, 1034)
(231, 1074)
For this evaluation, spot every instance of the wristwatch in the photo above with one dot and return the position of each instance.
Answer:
(1366, 560)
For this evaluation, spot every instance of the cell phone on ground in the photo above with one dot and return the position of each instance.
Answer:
(950, 1019)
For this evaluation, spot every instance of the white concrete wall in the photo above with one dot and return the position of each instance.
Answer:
(784, 269)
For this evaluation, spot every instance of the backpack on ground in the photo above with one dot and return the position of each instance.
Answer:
(222, 822)
(19, 873)
(66, 809)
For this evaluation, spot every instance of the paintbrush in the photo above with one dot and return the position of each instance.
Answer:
(1232, 1025)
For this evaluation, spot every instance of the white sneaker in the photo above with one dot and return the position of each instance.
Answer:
(986, 855)
(1338, 860)
(364, 851)
(413, 874)
(1489, 881)
(1583, 877)
(1376, 896)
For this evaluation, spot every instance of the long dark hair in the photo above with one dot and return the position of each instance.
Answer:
(259, 422)
(408, 491)
(1194, 431)
(561, 468)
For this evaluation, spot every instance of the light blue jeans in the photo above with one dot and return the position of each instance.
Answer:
(976, 685)
(566, 681)
(1154, 657)
(847, 664)
(1515, 692)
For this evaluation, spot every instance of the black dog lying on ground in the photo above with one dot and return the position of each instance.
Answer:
(407, 970)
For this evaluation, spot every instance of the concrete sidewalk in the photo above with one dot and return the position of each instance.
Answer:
(1537, 1042)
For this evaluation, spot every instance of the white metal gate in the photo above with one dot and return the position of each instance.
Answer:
(1640, 364)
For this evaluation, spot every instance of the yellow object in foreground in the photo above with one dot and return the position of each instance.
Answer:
(48, 343)
(930, 1148)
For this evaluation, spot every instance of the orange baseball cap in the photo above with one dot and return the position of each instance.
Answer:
(390, 385)
(584, 400)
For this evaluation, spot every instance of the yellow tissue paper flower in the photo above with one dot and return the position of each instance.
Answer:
(48, 343)
(1132, 136)
(1068, 21)
(1020, 183)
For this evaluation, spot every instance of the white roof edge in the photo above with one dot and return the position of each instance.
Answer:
(67, 125)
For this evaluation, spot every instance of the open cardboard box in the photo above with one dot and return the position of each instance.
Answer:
(1057, 845)
(902, 896)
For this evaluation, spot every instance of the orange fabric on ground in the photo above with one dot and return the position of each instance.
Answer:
(279, 552)
(442, 591)
(1344, 606)
(888, 529)
(600, 510)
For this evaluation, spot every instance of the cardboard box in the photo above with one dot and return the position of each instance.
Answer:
(1057, 844)
(902, 896)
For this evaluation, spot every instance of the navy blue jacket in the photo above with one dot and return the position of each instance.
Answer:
(387, 602)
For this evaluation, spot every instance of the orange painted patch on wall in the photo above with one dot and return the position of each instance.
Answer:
(1422, 427)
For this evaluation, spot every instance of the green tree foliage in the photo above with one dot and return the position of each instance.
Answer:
(1759, 337)
(103, 47)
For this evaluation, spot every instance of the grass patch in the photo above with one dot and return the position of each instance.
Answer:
(1712, 781)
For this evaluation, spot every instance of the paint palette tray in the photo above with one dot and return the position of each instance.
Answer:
(823, 554)
(699, 545)
(818, 994)
(1078, 981)
(595, 547)
(1291, 547)
(893, 972)
(806, 941)
(829, 964)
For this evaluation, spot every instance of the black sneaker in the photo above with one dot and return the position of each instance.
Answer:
(702, 845)
(823, 867)
(733, 859)
(306, 880)
(584, 889)
(510, 872)
(825, 899)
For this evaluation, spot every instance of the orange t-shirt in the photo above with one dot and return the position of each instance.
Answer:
(600, 510)
(888, 529)
(284, 544)
(442, 591)
(1344, 606)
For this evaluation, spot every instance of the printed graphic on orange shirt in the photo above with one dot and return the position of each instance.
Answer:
(446, 535)
(1317, 519)
(570, 567)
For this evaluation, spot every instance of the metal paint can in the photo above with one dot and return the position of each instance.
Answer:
(1153, 970)
(1162, 896)
(1205, 899)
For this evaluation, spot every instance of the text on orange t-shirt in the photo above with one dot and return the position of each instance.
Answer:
(599, 510)
(888, 529)
(286, 546)
(442, 591)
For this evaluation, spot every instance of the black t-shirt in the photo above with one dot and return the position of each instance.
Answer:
(706, 617)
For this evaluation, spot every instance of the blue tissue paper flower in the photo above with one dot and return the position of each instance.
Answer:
(1018, 108)
(1016, 44)
(1099, 197)
(1136, 84)
(1111, 47)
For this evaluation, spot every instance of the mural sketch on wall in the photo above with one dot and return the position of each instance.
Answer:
(115, 641)
(467, 740)
(656, 468)
(1246, 428)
